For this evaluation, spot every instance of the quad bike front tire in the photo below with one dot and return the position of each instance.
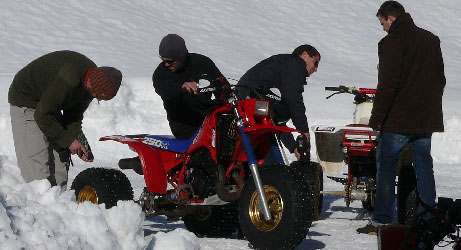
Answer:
(313, 175)
(213, 221)
(290, 204)
(102, 186)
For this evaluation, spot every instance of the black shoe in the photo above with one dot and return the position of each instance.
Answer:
(368, 229)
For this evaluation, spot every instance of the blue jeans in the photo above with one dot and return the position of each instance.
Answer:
(389, 148)
(274, 155)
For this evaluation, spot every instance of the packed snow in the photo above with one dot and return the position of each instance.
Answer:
(236, 35)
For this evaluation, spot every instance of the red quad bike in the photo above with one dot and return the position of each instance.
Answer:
(355, 145)
(215, 181)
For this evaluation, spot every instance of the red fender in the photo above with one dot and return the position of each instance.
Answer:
(155, 176)
(259, 133)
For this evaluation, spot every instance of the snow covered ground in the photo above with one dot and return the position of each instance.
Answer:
(236, 35)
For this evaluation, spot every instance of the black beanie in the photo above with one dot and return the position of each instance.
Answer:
(172, 46)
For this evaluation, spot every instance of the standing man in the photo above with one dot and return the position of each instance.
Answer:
(47, 100)
(286, 72)
(176, 81)
(407, 107)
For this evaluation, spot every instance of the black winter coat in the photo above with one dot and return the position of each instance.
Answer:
(185, 109)
(287, 73)
(411, 80)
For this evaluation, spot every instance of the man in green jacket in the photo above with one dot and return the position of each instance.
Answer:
(47, 100)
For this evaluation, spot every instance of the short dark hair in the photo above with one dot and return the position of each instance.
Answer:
(390, 8)
(308, 48)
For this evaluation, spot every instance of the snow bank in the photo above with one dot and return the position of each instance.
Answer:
(236, 35)
(179, 239)
(38, 216)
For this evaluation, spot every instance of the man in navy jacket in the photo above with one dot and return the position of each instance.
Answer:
(287, 73)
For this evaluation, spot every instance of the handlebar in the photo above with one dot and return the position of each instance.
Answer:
(258, 93)
(217, 84)
(206, 90)
(341, 89)
(360, 92)
(351, 90)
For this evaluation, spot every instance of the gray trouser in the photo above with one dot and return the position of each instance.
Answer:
(37, 157)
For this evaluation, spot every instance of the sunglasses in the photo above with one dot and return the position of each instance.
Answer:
(316, 64)
(169, 61)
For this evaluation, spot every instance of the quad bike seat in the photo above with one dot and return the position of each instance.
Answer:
(169, 142)
(329, 143)
(361, 133)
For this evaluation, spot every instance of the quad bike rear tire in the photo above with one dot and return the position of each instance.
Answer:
(368, 205)
(313, 175)
(213, 221)
(290, 204)
(102, 186)
(407, 195)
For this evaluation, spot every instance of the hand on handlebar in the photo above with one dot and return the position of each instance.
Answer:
(190, 87)
(303, 147)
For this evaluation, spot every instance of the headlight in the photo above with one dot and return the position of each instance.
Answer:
(262, 108)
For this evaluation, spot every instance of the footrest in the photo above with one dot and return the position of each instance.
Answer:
(338, 179)
(131, 163)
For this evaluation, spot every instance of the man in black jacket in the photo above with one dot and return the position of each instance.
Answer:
(286, 72)
(407, 107)
(176, 81)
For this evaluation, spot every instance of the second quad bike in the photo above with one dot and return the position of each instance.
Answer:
(355, 145)
(216, 181)
(438, 225)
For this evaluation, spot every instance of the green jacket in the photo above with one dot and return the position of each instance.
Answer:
(53, 86)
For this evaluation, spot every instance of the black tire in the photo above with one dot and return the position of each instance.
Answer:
(283, 185)
(213, 221)
(407, 195)
(368, 205)
(102, 186)
(313, 175)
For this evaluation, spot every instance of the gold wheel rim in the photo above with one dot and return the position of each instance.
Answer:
(202, 213)
(88, 193)
(275, 202)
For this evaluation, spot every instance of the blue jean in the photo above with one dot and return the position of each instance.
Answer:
(389, 148)
(274, 155)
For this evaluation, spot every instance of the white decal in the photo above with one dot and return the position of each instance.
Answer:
(213, 138)
(327, 129)
(155, 142)
(273, 97)
(205, 90)
(120, 138)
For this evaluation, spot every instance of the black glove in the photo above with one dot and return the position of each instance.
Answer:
(303, 148)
